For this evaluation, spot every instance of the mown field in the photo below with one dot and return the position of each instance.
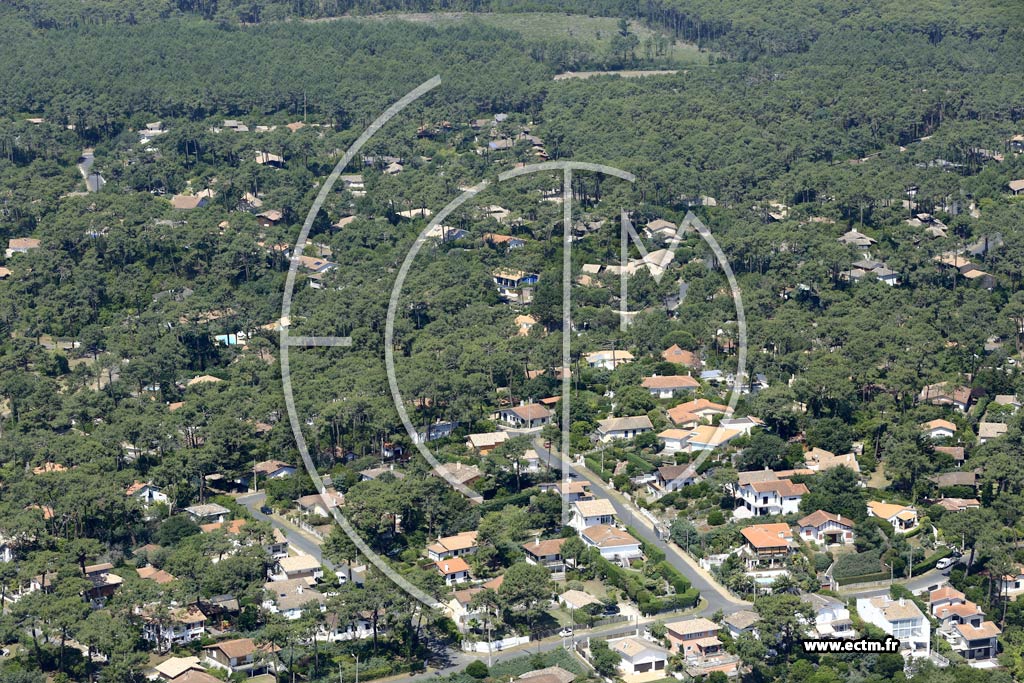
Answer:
(593, 33)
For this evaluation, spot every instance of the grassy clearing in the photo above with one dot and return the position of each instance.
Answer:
(594, 33)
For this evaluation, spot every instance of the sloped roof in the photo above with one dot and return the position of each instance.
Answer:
(606, 536)
(532, 411)
(621, 424)
(452, 565)
(887, 510)
(820, 517)
(239, 647)
(768, 535)
(538, 548)
(670, 382)
(594, 508)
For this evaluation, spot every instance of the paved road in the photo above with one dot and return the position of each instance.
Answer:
(717, 597)
(299, 540)
(94, 182)
(918, 583)
(457, 660)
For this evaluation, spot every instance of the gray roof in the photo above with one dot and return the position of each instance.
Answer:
(819, 602)
(615, 424)
(741, 620)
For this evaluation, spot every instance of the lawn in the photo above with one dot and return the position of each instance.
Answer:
(594, 33)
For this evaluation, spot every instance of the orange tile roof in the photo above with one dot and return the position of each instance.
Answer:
(768, 535)
(670, 382)
(945, 593)
(674, 354)
(451, 566)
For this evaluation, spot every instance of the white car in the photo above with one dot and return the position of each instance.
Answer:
(945, 563)
(565, 632)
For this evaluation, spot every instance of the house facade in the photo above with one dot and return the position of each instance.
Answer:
(452, 546)
(547, 554)
(240, 655)
(608, 360)
(831, 617)
(900, 619)
(453, 570)
(614, 428)
(825, 528)
(901, 517)
(669, 386)
(613, 543)
(638, 656)
(768, 497)
(178, 626)
(530, 416)
(587, 513)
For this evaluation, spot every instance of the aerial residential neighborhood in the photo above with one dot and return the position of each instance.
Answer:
(511, 342)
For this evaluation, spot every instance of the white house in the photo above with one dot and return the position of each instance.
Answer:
(454, 570)
(452, 546)
(975, 640)
(587, 513)
(239, 654)
(763, 493)
(291, 597)
(208, 513)
(273, 469)
(674, 477)
(825, 528)
(458, 607)
(320, 505)
(741, 424)
(612, 542)
(902, 517)
(669, 386)
(990, 430)
(623, 427)
(146, 493)
(571, 491)
(304, 567)
(939, 429)
(743, 621)
(1012, 584)
(529, 416)
(673, 440)
(576, 599)
(831, 617)
(334, 628)
(709, 437)
(900, 619)
(639, 656)
(547, 554)
(177, 626)
(608, 360)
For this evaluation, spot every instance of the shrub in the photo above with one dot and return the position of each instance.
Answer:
(477, 669)
(716, 518)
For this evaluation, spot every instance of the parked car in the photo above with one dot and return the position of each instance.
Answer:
(565, 632)
(945, 563)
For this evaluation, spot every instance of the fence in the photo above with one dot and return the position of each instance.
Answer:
(494, 645)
